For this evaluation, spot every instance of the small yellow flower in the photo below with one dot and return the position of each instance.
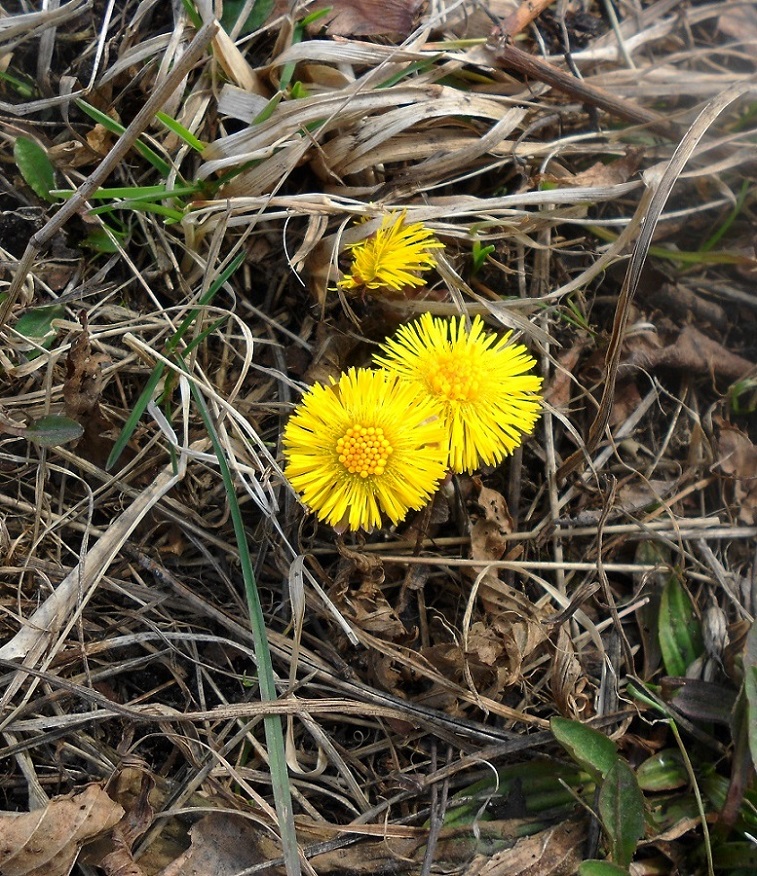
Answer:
(392, 257)
(478, 381)
(364, 445)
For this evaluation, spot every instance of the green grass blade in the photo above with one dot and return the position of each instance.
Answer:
(160, 164)
(134, 193)
(131, 423)
(719, 232)
(189, 319)
(187, 136)
(147, 393)
(274, 732)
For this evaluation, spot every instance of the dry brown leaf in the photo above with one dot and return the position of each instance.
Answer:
(365, 605)
(223, 844)
(134, 784)
(489, 533)
(84, 380)
(737, 459)
(558, 391)
(369, 17)
(516, 622)
(600, 174)
(739, 21)
(568, 678)
(690, 351)
(46, 842)
(626, 402)
(556, 851)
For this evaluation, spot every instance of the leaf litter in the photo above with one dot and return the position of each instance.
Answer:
(420, 665)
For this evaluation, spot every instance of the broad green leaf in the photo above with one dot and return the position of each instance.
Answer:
(233, 8)
(663, 771)
(621, 810)
(741, 855)
(54, 430)
(99, 240)
(750, 688)
(36, 324)
(589, 748)
(678, 628)
(35, 167)
(600, 868)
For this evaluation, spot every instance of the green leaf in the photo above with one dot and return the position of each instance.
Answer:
(621, 810)
(36, 324)
(160, 164)
(729, 856)
(54, 430)
(186, 135)
(35, 167)
(663, 771)
(750, 688)
(678, 628)
(233, 8)
(272, 726)
(99, 240)
(589, 748)
(133, 419)
(530, 788)
(600, 868)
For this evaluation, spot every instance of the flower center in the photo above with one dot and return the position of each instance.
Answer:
(364, 450)
(454, 379)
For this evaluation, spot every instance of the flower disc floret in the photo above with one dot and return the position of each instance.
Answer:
(393, 257)
(478, 381)
(366, 445)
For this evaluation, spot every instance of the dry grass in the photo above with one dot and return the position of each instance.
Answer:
(412, 662)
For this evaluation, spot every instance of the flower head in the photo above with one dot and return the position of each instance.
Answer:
(478, 381)
(365, 444)
(393, 256)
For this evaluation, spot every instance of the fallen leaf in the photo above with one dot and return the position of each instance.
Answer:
(46, 842)
(739, 21)
(558, 391)
(223, 844)
(690, 351)
(82, 389)
(369, 17)
(556, 851)
(360, 17)
(599, 174)
(489, 533)
(568, 678)
(84, 380)
(737, 460)
(139, 816)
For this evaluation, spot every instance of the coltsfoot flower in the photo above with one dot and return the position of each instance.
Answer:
(393, 257)
(366, 444)
(477, 380)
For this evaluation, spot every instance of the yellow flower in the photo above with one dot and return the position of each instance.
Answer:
(392, 257)
(478, 381)
(364, 445)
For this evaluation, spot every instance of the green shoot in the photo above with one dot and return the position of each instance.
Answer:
(160, 164)
(187, 136)
(480, 253)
